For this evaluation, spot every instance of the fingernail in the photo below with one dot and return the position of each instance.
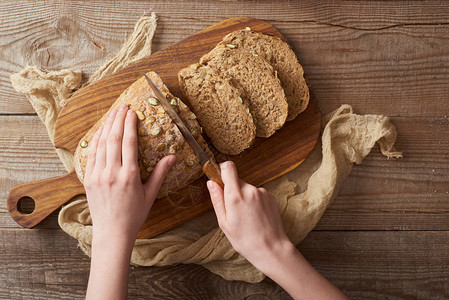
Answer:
(113, 112)
(123, 106)
(224, 166)
(211, 185)
(130, 112)
(171, 161)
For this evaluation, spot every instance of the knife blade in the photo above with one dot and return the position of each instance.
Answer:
(209, 167)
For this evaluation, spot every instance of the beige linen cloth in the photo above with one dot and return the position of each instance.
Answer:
(303, 194)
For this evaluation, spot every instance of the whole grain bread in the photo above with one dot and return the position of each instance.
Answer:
(221, 111)
(158, 136)
(256, 81)
(279, 54)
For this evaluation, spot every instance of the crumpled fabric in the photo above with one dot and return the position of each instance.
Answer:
(302, 194)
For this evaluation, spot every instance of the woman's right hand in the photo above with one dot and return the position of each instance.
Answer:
(250, 219)
(248, 216)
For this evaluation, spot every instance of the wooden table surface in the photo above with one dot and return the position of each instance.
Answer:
(384, 237)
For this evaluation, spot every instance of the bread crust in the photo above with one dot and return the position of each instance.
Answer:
(158, 136)
(257, 82)
(284, 61)
(220, 108)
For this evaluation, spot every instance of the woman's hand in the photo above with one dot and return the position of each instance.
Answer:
(119, 203)
(248, 216)
(250, 219)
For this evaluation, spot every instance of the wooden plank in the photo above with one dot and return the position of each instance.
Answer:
(26, 154)
(280, 153)
(91, 103)
(48, 264)
(382, 265)
(41, 265)
(382, 57)
(411, 193)
(365, 265)
(404, 194)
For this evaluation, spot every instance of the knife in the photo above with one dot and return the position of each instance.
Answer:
(210, 168)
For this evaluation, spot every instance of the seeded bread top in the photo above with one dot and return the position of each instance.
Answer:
(284, 61)
(219, 107)
(256, 81)
(158, 136)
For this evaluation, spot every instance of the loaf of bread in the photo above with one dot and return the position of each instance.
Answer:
(279, 54)
(257, 83)
(158, 136)
(219, 106)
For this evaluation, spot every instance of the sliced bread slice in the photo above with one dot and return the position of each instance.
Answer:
(219, 108)
(257, 81)
(279, 54)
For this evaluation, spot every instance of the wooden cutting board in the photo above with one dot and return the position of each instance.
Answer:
(264, 161)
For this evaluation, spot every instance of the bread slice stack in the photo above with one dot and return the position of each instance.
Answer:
(220, 107)
(282, 58)
(246, 71)
(257, 82)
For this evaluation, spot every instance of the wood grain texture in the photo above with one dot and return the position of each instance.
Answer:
(48, 195)
(47, 264)
(26, 155)
(383, 57)
(264, 161)
(417, 184)
(382, 265)
(365, 265)
(277, 154)
(374, 55)
(381, 194)
(212, 171)
(86, 106)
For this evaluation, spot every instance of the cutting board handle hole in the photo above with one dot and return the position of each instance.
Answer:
(26, 205)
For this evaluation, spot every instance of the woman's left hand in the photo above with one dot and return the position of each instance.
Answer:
(119, 203)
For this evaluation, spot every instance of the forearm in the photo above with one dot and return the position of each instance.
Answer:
(290, 269)
(108, 277)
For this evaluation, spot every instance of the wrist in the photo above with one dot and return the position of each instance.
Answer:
(112, 238)
(288, 268)
(111, 254)
(274, 257)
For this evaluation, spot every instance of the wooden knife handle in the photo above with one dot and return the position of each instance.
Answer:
(212, 170)
(48, 195)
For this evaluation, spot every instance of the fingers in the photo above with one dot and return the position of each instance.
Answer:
(250, 192)
(100, 160)
(158, 175)
(92, 153)
(263, 190)
(229, 176)
(129, 146)
(114, 141)
(217, 198)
